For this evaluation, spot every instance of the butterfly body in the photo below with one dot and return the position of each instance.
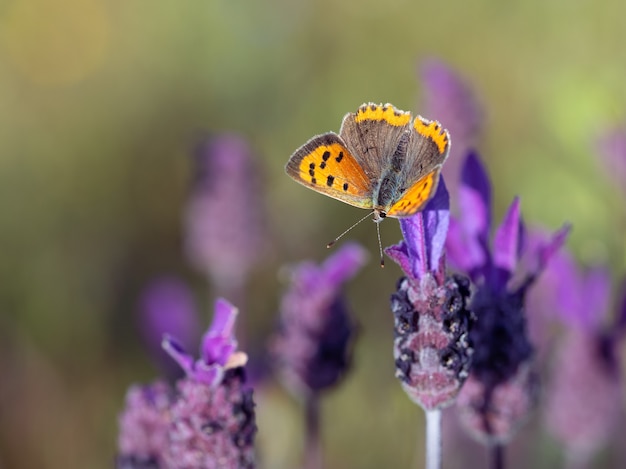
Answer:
(381, 160)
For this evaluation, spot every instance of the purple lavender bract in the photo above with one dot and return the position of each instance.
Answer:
(217, 353)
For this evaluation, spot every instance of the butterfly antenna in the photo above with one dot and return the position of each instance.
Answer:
(330, 245)
(380, 246)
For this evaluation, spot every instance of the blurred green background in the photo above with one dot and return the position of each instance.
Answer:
(101, 104)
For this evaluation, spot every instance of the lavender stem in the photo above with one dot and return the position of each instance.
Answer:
(497, 456)
(433, 439)
(313, 449)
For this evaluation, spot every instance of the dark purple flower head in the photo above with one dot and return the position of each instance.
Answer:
(224, 219)
(501, 372)
(431, 348)
(584, 394)
(166, 306)
(312, 345)
(217, 353)
(451, 100)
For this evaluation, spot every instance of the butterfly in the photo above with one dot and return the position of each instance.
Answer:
(381, 160)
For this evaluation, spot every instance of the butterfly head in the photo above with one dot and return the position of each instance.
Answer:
(379, 215)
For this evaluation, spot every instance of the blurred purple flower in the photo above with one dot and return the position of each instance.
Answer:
(431, 347)
(312, 345)
(501, 388)
(208, 423)
(449, 99)
(584, 396)
(612, 149)
(166, 306)
(224, 219)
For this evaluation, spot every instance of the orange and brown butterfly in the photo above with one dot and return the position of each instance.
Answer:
(382, 160)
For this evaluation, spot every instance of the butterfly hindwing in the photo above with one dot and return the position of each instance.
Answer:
(326, 165)
(416, 196)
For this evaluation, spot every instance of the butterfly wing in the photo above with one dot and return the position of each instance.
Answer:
(373, 135)
(416, 197)
(427, 149)
(325, 165)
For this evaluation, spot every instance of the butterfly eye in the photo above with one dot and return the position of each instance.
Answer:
(382, 214)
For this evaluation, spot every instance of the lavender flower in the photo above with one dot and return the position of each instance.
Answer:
(224, 228)
(447, 96)
(311, 347)
(208, 423)
(431, 346)
(501, 388)
(584, 395)
(213, 422)
(167, 307)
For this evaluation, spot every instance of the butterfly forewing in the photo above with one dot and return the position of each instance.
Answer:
(326, 165)
(428, 148)
(373, 134)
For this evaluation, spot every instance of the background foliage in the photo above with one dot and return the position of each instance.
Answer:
(101, 104)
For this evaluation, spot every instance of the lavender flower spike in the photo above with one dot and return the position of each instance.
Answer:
(446, 95)
(311, 347)
(501, 388)
(226, 179)
(431, 347)
(207, 422)
(213, 420)
(584, 394)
